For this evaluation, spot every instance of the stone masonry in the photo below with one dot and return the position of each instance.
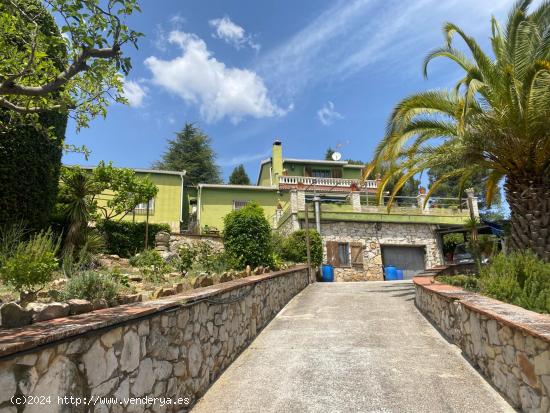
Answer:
(372, 236)
(509, 345)
(175, 351)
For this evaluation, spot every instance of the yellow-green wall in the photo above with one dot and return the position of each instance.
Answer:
(167, 201)
(265, 178)
(216, 203)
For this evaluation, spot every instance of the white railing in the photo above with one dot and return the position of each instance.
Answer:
(330, 182)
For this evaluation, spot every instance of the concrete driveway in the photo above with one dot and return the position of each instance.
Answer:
(351, 347)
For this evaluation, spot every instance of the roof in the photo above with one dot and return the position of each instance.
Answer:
(345, 164)
(146, 171)
(228, 186)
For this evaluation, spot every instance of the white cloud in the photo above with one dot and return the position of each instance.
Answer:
(327, 114)
(135, 93)
(352, 35)
(219, 91)
(232, 33)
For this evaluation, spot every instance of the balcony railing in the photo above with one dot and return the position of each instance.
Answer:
(308, 181)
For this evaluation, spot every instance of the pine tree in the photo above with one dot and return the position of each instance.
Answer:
(191, 151)
(239, 176)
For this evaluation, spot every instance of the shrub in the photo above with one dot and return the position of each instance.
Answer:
(295, 248)
(32, 264)
(519, 278)
(125, 238)
(92, 286)
(247, 237)
(151, 265)
(465, 281)
(185, 258)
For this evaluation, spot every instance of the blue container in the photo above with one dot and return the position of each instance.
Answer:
(327, 273)
(399, 274)
(391, 273)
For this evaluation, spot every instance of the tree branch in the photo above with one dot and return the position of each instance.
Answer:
(79, 65)
(21, 109)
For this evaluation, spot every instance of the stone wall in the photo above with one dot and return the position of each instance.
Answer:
(179, 239)
(509, 345)
(372, 236)
(173, 348)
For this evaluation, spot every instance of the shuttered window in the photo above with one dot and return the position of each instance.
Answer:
(336, 172)
(357, 254)
(307, 171)
(338, 253)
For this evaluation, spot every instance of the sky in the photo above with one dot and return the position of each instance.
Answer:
(313, 73)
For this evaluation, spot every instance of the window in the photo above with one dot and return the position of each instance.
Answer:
(321, 173)
(142, 208)
(338, 253)
(343, 254)
(239, 205)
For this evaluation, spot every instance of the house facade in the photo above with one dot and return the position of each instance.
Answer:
(359, 235)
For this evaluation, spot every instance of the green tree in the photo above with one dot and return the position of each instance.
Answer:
(81, 190)
(247, 237)
(239, 176)
(34, 81)
(497, 120)
(30, 145)
(191, 151)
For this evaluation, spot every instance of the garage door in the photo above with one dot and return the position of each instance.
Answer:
(409, 259)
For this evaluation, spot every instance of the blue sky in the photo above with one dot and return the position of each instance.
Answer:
(313, 73)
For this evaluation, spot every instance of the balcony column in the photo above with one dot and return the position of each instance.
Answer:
(356, 201)
(421, 199)
(472, 203)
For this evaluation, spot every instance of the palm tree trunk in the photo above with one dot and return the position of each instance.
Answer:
(529, 200)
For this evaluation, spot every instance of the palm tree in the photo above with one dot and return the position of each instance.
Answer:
(496, 119)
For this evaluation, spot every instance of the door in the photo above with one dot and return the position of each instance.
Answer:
(409, 259)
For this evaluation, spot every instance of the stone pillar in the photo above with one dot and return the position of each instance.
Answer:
(472, 203)
(356, 201)
(294, 201)
(420, 199)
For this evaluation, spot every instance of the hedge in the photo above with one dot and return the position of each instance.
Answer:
(30, 159)
(126, 239)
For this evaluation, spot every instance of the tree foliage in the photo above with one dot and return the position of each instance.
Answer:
(247, 237)
(190, 151)
(35, 77)
(30, 145)
(294, 247)
(239, 176)
(495, 120)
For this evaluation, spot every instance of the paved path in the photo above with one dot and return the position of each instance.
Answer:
(351, 347)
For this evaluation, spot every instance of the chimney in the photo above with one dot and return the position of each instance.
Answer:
(276, 161)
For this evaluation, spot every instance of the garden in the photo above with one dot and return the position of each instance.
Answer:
(61, 271)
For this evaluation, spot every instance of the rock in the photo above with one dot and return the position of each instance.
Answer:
(135, 278)
(169, 256)
(248, 271)
(143, 383)
(259, 270)
(542, 363)
(8, 385)
(59, 283)
(162, 238)
(267, 270)
(129, 299)
(164, 292)
(12, 315)
(43, 312)
(101, 304)
(55, 294)
(162, 369)
(78, 306)
(225, 277)
(194, 361)
(203, 280)
(129, 359)
(99, 363)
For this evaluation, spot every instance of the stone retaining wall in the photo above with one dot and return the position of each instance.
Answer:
(508, 344)
(172, 348)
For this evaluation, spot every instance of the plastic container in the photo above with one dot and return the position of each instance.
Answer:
(390, 273)
(399, 274)
(327, 273)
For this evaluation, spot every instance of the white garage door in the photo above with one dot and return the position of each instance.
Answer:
(409, 259)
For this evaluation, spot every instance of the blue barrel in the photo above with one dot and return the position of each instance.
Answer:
(327, 273)
(399, 274)
(390, 273)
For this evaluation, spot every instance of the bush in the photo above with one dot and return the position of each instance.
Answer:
(200, 257)
(125, 238)
(151, 265)
(465, 281)
(185, 258)
(32, 263)
(92, 286)
(247, 237)
(519, 278)
(295, 248)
